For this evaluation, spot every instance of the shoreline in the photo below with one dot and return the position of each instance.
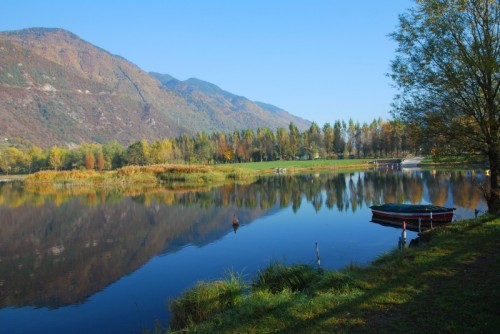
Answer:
(438, 286)
(192, 176)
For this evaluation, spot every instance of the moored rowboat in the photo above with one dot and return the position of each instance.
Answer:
(413, 212)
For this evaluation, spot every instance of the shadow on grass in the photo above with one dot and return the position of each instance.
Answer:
(457, 291)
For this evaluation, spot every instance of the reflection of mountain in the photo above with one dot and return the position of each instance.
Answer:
(53, 256)
(211, 225)
(59, 246)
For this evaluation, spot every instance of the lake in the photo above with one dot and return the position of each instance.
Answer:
(80, 260)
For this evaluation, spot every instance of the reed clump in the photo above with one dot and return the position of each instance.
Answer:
(63, 176)
(278, 277)
(205, 300)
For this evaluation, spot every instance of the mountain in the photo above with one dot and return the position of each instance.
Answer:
(56, 88)
(225, 111)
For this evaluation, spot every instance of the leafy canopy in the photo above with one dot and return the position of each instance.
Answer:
(448, 71)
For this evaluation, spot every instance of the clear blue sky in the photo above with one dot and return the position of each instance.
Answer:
(321, 60)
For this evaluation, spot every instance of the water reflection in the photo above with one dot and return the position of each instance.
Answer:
(83, 239)
(342, 191)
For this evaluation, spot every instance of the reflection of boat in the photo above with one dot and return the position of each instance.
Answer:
(411, 225)
(411, 212)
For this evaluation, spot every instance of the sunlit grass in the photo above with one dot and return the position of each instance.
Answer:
(168, 175)
(178, 175)
(205, 300)
(278, 277)
(455, 160)
(303, 164)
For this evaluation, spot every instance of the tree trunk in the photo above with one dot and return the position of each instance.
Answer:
(493, 198)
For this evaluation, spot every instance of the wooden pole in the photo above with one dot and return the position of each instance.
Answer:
(404, 231)
(317, 256)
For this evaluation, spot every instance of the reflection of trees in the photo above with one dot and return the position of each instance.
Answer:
(463, 189)
(84, 238)
(437, 187)
(413, 188)
(341, 191)
(356, 187)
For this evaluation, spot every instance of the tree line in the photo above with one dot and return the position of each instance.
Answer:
(344, 139)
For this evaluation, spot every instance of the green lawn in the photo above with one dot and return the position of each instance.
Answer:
(303, 164)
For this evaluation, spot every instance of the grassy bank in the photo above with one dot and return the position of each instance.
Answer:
(176, 176)
(448, 284)
(168, 175)
(190, 176)
(473, 161)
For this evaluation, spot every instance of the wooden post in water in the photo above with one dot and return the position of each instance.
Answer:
(317, 256)
(431, 221)
(402, 238)
(419, 225)
(404, 231)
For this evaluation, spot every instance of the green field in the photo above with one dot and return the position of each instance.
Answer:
(303, 164)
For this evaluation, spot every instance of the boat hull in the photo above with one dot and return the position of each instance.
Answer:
(413, 212)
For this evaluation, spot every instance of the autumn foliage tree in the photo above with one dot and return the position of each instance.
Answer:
(55, 157)
(100, 160)
(89, 160)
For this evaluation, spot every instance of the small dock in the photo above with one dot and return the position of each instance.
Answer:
(412, 162)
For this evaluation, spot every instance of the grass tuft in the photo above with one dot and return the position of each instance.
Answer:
(205, 300)
(279, 277)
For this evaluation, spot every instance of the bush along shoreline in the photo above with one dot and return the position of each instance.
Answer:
(448, 284)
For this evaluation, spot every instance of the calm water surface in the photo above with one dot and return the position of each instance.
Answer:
(80, 260)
